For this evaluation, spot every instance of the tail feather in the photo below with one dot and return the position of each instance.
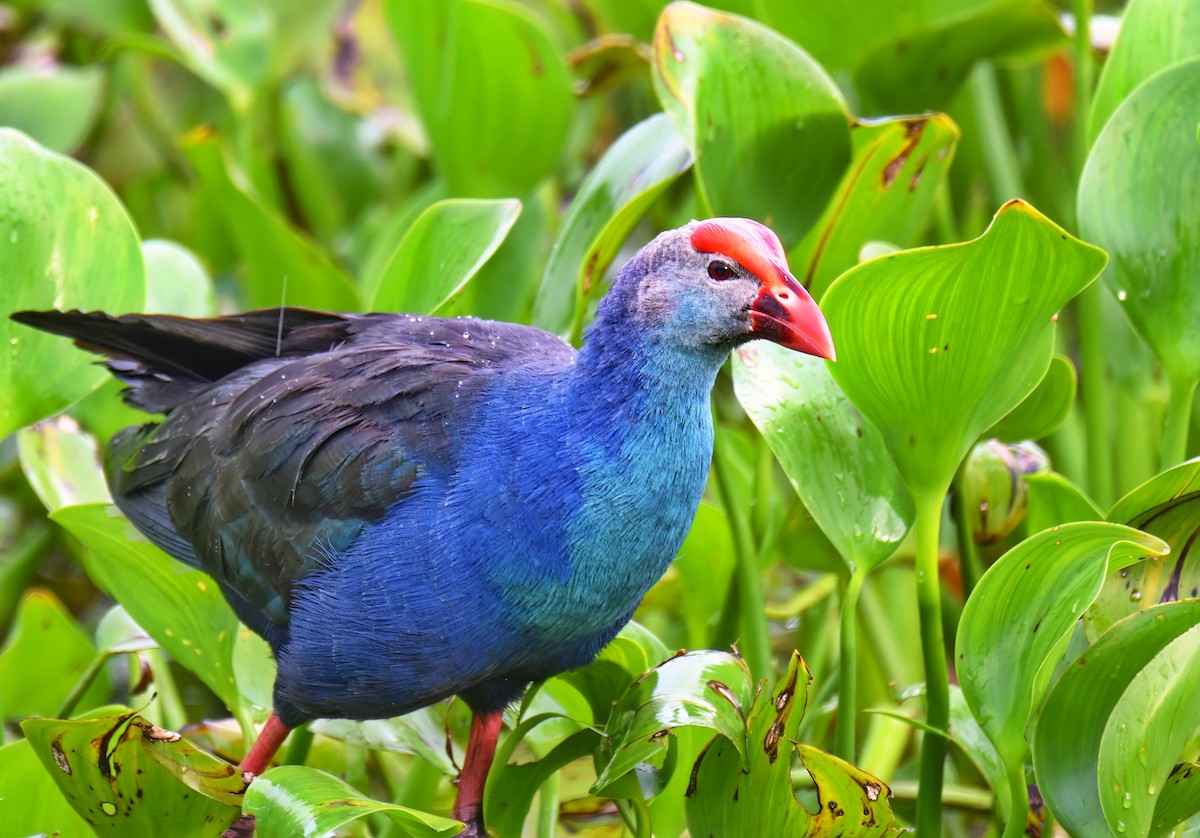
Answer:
(164, 358)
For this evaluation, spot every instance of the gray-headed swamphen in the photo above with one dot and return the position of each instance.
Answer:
(409, 508)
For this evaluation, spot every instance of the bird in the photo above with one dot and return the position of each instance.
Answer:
(408, 508)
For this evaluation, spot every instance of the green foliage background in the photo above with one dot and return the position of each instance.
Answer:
(960, 558)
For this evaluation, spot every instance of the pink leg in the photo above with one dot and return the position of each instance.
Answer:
(481, 749)
(265, 746)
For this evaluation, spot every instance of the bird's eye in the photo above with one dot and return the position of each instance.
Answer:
(721, 270)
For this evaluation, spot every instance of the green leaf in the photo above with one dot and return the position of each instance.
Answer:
(926, 68)
(704, 689)
(446, 245)
(180, 608)
(107, 769)
(43, 659)
(1149, 729)
(335, 173)
(1054, 500)
(294, 800)
(55, 106)
(1180, 799)
(935, 345)
(1168, 506)
(1044, 409)
(614, 196)
(1016, 623)
(281, 266)
(422, 732)
(834, 457)
(176, 282)
(225, 42)
(1154, 35)
(492, 89)
(62, 464)
(30, 802)
(1078, 716)
(1139, 199)
(897, 167)
(65, 242)
(632, 652)
(511, 787)
(729, 796)
(766, 125)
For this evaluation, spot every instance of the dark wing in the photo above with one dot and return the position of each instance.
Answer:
(262, 474)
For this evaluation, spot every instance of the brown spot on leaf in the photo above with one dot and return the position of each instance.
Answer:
(725, 693)
(873, 790)
(158, 734)
(912, 133)
(60, 758)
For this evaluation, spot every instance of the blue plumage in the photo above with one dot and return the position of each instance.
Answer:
(409, 508)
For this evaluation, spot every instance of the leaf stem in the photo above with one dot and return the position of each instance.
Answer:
(547, 819)
(298, 745)
(1018, 795)
(1093, 379)
(999, 154)
(847, 716)
(1084, 74)
(1179, 416)
(937, 680)
(754, 643)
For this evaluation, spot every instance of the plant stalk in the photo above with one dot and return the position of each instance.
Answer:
(937, 679)
(755, 645)
(1179, 416)
(299, 744)
(999, 154)
(1093, 378)
(1018, 795)
(847, 717)
(547, 819)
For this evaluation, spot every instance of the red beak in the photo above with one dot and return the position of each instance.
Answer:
(784, 312)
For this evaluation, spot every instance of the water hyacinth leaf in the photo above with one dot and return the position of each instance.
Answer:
(422, 732)
(104, 767)
(1179, 800)
(281, 266)
(335, 171)
(1148, 732)
(727, 796)
(61, 463)
(44, 657)
(1154, 35)
(224, 42)
(766, 125)
(1054, 500)
(446, 245)
(176, 282)
(180, 608)
(633, 651)
(55, 106)
(614, 196)
(1078, 711)
(1168, 506)
(1044, 409)
(295, 800)
(935, 345)
(30, 802)
(966, 733)
(926, 68)
(834, 457)
(492, 89)
(67, 243)
(704, 688)
(1139, 199)
(897, 166)
(1020, 617)
(512, 787)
